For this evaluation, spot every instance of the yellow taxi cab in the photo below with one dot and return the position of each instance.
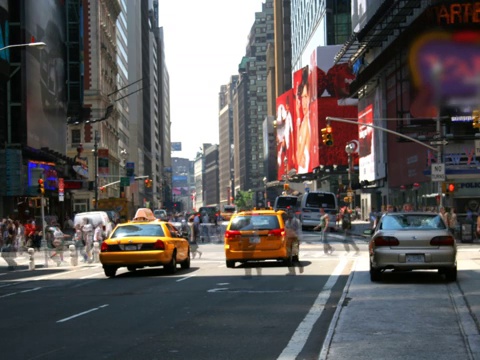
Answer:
(144, 241)
(260, 235)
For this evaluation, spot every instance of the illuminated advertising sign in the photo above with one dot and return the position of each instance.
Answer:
(35, 171)
(320, 89)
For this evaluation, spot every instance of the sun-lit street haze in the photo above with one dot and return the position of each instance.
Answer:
(204, 47)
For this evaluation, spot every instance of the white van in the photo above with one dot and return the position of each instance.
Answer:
(95, 217)
(310, 209)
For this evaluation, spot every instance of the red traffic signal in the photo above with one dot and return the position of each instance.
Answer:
(451, 187)
(41, 187)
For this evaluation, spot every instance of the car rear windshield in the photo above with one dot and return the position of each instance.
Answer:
(138, 230)
(320, 200)
(285, 202)
(257, 222)
(412, 222)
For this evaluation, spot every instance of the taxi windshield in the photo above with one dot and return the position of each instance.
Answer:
(257, 222)
(138, 230)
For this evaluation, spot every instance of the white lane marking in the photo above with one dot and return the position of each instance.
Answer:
(91, 275)
(186, 277)
(299, 338)
(82, 313)
(20, 292)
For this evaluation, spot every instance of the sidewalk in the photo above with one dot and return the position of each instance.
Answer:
(42, 261)
(377, 320)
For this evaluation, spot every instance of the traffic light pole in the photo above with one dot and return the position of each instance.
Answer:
(95, 155)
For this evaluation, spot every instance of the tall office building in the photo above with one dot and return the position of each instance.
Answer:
(250, 103)
(226, 149)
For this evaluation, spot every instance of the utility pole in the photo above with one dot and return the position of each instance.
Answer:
(95, 155)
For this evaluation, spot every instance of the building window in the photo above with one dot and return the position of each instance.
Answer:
(76, 136)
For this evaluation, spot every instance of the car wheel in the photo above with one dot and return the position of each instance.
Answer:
(186, 263)
(110, 271)
(230, 264)
(451, 274)
(131, 268)
(172, 266)
(375, 274)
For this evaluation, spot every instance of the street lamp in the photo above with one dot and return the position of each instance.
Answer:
(40, 45)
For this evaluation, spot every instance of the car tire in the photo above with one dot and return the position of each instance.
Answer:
(110, 271)
(185, 264)
(451, 274)
(131, 268)
(375, 274)
(172, 266)
(230, 263)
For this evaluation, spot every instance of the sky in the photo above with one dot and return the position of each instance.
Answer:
(204, 43)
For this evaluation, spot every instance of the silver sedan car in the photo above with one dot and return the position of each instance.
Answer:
(412, 241)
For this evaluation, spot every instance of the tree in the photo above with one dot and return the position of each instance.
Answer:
(244, 200)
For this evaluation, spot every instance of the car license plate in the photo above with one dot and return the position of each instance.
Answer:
(130, 247)
(415, 258)
(255, 240)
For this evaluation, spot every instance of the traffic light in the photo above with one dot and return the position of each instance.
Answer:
(329, 136)
(450, 188)
(41, 187)
(148, 183)
(324, 136)
(476, 119)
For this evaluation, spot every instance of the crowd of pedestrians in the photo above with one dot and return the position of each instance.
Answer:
(16, 237)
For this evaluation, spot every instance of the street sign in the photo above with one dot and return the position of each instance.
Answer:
(439, 142)
(438, 172)
(477, 147)
(124, 181)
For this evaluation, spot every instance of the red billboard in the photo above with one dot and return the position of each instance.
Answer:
(320, 90)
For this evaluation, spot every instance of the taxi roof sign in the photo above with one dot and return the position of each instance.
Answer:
(144, 214)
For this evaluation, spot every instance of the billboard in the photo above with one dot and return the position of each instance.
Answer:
(45, 71)
(320, 89)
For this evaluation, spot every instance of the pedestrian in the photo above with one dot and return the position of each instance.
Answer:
(87, 231)
(323, 227)
(192, 239)
(445, 216)
(20, 237)
(477, 232)
(30, 233)
(80, 242)
(8, 246)
(98, 233)
(346, 216)
(452, 224)
(294, 230)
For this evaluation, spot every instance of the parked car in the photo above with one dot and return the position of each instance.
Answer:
(260, 235)
(412, 241)
(144, 241)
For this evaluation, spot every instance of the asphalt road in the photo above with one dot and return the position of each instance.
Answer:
(206, 312)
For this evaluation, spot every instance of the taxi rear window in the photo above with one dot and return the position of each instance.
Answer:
(138, 230)
(257, 222)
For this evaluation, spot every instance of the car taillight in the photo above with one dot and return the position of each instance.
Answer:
(386, 241)
(276, 232)
(159, 245)
(442, 241)
(230, 234)
(104, 247)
